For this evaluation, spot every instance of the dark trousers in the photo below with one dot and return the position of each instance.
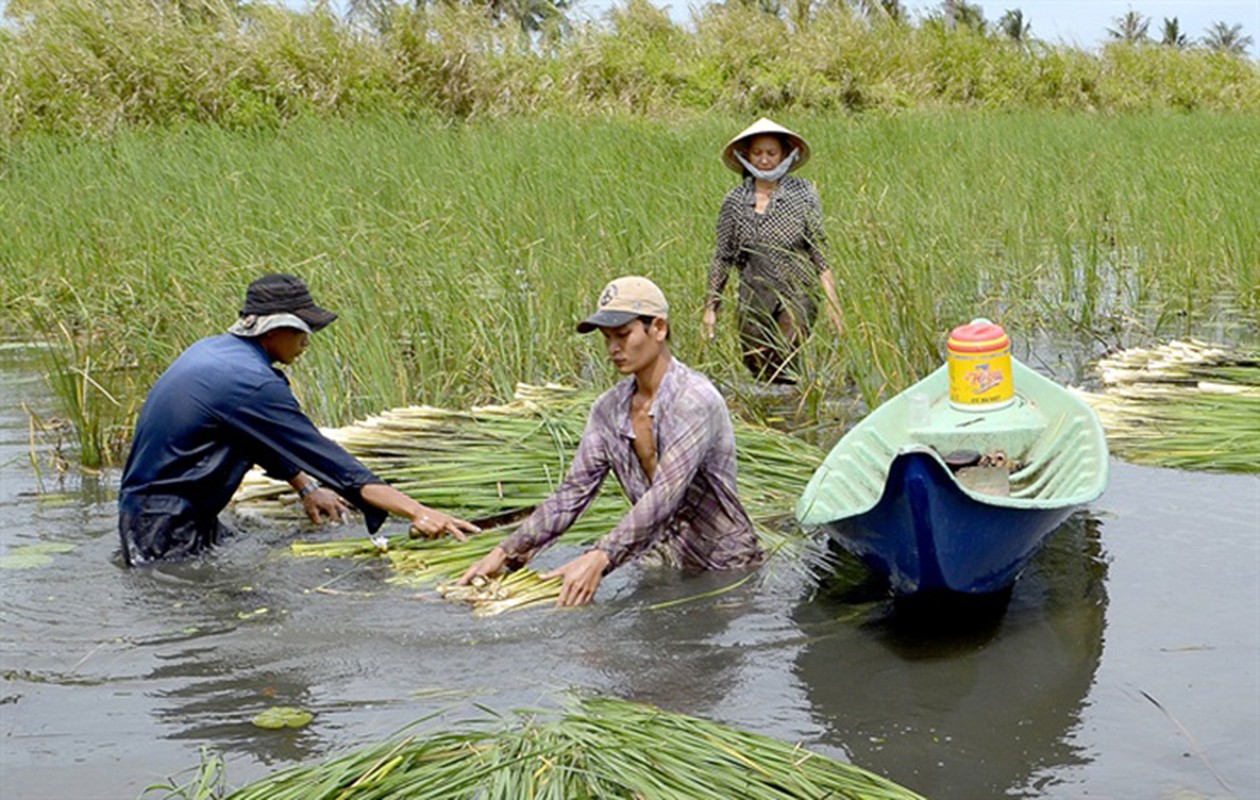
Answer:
(157, 535)
(771, 334)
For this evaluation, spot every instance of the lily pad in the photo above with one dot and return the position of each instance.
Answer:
(277, 717)
(30, 556)
(45, 548)
(16, 560)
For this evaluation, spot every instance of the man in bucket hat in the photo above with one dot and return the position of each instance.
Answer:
(222, 407)
(666, 434)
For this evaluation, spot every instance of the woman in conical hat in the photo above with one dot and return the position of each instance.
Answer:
(770, 230)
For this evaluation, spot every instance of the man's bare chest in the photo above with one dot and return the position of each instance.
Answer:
(644, 436)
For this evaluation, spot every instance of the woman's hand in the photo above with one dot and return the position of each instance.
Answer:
(325, 505)
(836, 320)
(708, 323)
(581, 577)
(832, 297)
(431, 523)
(489, 566)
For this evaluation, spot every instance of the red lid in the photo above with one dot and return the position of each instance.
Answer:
(979, 334)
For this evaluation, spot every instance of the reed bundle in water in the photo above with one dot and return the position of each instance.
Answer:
(516, 590)
(494, 464)
(1186, 404)
(600, 747)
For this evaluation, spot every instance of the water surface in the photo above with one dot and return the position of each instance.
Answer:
(1126, 664)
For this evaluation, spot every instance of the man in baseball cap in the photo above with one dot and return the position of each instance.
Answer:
(666, 434)
(222, 407)
(624, 300)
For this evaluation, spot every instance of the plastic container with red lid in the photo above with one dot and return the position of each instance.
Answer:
(980, 367)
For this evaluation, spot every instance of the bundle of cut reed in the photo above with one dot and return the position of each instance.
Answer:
(496, 463)
(479, 463)
(516, 590)
(600, 747)
(1187, 404)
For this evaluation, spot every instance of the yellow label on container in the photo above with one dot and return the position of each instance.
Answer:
(980, 381)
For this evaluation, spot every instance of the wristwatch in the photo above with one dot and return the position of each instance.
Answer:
(308, 488)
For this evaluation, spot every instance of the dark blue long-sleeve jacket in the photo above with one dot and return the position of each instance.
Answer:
(215, 412)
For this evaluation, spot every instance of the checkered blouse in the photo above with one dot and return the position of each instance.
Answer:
(782, 248)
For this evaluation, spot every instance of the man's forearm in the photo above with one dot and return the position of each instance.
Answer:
(387, 498)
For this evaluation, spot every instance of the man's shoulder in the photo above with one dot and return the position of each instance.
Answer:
(613, 397)
(219, 346)
(693, 389)
(225, 360)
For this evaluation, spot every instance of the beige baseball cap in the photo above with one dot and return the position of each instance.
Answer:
(624, 300)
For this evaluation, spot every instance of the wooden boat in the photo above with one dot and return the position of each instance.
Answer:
(958, 501)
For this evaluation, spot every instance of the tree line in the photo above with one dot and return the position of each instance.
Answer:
(540, 16)
(100, 65)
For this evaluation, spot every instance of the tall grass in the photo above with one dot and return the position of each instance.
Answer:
(460, 254)
(98, 65)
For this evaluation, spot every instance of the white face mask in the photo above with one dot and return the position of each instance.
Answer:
(772, 175)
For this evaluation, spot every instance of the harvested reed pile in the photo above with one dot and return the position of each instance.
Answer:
(493, 464)
(516, 590)
(1186, 404)
(600, 747)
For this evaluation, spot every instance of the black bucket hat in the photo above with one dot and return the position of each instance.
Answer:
(278, 293)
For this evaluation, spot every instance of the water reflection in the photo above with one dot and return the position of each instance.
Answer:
(676, 656)
(210, 655)
(113, 678)
(971, 712)
(213, 703)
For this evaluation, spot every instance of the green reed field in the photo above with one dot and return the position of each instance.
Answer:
(460, 255)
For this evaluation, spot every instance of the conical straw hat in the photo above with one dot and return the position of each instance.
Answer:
(765, 125)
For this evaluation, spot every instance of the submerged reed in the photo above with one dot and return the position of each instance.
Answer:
(518, 590)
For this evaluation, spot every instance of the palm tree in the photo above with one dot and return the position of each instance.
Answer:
(960, 12)
(891, 10)
(1130, 28)
(532, 15)
(1226, 39)
(1016, 28)
(773, 8)
(374, 12)
(1171, 35)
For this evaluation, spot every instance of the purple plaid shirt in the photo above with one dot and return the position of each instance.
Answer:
(690, 510)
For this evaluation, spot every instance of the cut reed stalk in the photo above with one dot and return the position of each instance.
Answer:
(599, 747)
(500, 459)
(1186, 404)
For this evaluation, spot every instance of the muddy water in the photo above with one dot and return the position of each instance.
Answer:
(1126, 664)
